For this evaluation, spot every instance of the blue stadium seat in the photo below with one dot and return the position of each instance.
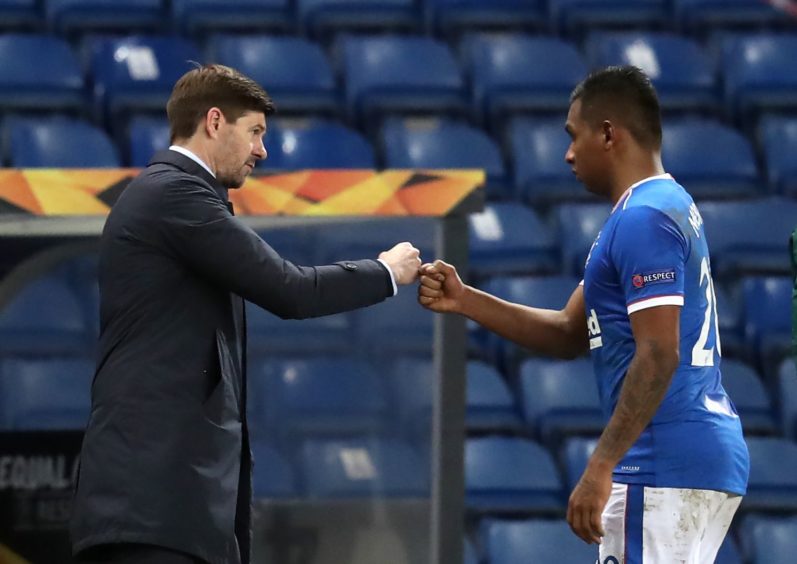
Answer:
(444, 144)
(575, 455)
(710, 160)
(509, 238)
(58, 142)
(748, 394)
(450, 18)
(504, 82)
(578, 226)
(78, 16)
(316, 397)
(541, 175)
(683, 74)
(778, 136)
(773, 539)
(760, 75)
(574, 17)
(549, 292)
(787, 398)
(749, 236)
(53, 393)
(316, 144)
(29, 81)
(773, 482)
(560, 398)
(137, 73)
(704, 16)
(469, 555)
(504, 474)
(147, 135)
(323, 18)
(731, 327)
(729, 552)
(357, 468)
(44, 318)
(382, 75)
(197, 17)
(523, 542)
(294, 71)
(273, 475)
(767, 317)
(397, 326)
(19, 14)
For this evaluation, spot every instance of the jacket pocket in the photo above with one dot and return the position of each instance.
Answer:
(221, 406)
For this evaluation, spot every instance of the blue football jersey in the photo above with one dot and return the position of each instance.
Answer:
(652, 251)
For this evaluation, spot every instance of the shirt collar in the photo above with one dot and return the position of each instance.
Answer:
(192, 156)
(627, 194)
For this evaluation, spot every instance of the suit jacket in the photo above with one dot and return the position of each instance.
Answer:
(166, 459)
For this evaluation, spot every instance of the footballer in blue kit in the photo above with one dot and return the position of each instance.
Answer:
(671, 466)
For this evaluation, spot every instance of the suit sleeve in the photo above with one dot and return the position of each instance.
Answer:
(200, 231)
(649, 252)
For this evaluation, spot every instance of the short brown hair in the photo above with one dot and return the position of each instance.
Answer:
(207, 86)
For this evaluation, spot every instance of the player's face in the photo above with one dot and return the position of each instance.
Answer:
(240, 147)
(586, 152)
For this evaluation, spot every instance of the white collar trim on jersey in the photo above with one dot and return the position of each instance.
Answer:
(627, 194)
(192, 156)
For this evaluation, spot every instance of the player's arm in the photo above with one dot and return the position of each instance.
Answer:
(559, 333)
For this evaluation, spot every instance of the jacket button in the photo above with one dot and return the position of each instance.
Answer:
(349, 266)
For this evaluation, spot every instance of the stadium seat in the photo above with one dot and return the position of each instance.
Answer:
(560, 398)
(683, 74)
(316, 397)
(357, 468)
(273, 475)
(44, 318)
(19, 14)
(324, 18)
(748, 394)
(469, 554)
(523, 542)
(382, 75)
(51, 394)
(548, 292)
(450, 18)
(574, 17)
(767, 317)
(729, 552)
(578, 225)
(730, 323)
(749, 236)
(198, 17)
(575, 454)
(137, 74)
(778, 137)
(503, 81)
(701, 17)
(315, 144)
(29, 81)
(58, 142)
(294, 71)
(710, 160)
(773, 482)
(773, 539)
(509, 238)
(760, 75)
(67, 17)
(541, 175)
(443, 144)
(511, 475)
(147, 135)
(787, 398)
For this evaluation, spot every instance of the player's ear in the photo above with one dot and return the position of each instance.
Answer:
(608, 133)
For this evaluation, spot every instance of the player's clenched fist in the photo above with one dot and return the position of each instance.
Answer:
(441, 288)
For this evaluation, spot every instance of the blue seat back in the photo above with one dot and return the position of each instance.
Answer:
(576, 453)
(316, 144)
(521, 542)
(148, 134)
(59, 142)
(197, 17)
(773, 483)
(748, 394)
(273, 476)
(70, 16)
(578, 226)
(778, 135)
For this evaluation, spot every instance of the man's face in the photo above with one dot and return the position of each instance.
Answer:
(240, 147)
(586, 154)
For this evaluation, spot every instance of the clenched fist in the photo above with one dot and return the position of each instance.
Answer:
(404, 260)
(441, 289)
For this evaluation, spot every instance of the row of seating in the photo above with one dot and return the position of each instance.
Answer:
(380, 74)
(712, 160)
(321, 17)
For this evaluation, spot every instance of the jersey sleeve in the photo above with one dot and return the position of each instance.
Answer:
(649, 252)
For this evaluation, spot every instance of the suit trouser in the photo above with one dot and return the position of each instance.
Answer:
(130, 553)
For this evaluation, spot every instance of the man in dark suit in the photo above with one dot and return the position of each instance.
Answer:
(165, 473)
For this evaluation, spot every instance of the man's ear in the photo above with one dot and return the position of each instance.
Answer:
(609, 134)
(213, 121)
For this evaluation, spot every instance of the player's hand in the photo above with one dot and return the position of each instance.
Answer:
(404, 260)
(587, 502)
(441, 288)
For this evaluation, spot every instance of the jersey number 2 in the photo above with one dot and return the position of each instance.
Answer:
(702, 356)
